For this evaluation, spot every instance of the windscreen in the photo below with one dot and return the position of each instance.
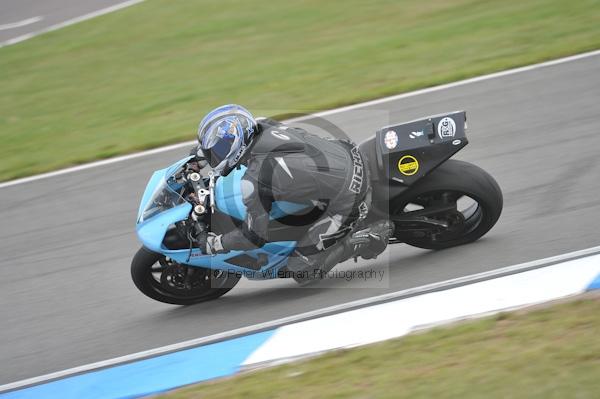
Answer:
(164, 197)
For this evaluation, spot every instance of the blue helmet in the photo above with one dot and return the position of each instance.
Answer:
(224, 135)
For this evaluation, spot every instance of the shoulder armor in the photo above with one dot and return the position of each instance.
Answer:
(276, 137)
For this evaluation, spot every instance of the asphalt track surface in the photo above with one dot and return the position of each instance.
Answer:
(49, 12)
(66, 241)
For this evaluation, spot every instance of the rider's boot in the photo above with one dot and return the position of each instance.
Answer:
(373, 240)
(367, 243)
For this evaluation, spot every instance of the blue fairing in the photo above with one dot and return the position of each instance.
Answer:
(151, 229)
(158, 177)
(275, 253)
(228, 197)
(151, 232)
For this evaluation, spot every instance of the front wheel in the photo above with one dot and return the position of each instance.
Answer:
(468, 199)
(167, 281)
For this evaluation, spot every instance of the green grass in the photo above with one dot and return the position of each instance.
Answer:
(144, 76)
(549, 353)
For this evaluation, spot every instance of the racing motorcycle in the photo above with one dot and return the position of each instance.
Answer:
(434, 202)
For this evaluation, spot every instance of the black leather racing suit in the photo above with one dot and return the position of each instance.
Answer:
(289, 164)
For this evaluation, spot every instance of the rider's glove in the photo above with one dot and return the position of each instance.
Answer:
(213, 244)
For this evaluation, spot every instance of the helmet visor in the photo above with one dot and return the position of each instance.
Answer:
(218, 143)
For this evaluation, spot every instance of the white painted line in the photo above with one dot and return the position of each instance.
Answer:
(308, 315)
(459, 83)
(19, 24)
(318, 114)
(98, 163)
(397, 318)
(73, 21)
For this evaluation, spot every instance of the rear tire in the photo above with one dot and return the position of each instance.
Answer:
(452, 179)
(208, 284)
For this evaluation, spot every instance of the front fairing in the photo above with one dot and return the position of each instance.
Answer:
(161, 206)
(159, 183)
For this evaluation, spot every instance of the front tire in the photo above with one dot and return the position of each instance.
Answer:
(451, 182)
(169, 282)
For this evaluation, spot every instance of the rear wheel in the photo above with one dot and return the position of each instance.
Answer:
(167, 281)
(468, 199)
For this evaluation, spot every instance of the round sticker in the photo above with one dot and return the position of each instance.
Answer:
(390, 140)
(408, 165)
(446, 128)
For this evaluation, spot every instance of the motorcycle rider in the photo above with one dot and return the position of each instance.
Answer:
(289, 164)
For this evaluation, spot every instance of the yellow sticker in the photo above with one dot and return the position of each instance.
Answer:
(408, 165)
